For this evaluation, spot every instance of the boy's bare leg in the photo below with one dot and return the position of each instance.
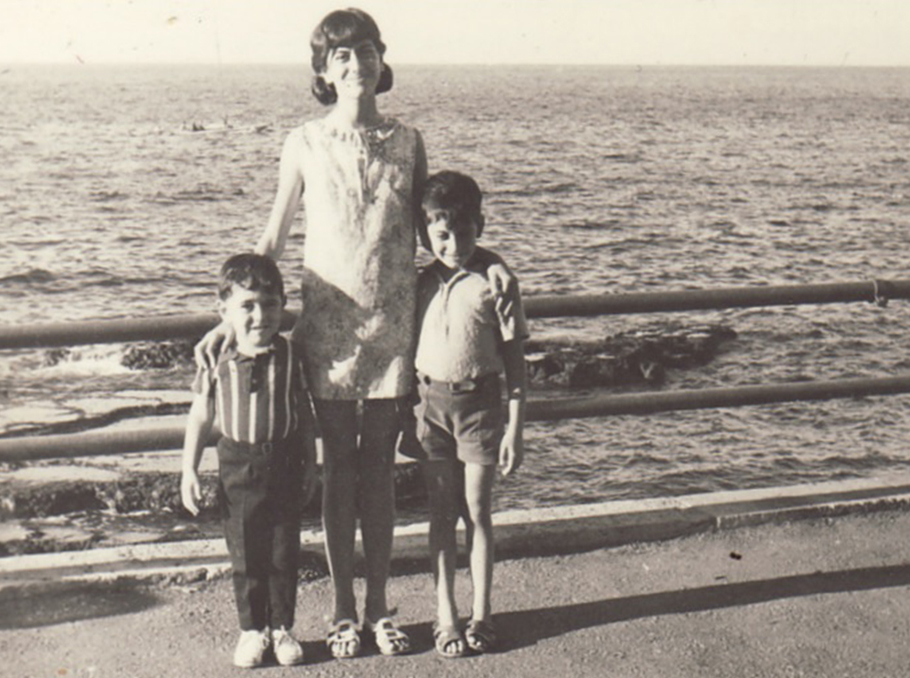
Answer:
(442, 478)
(338, 422)
(376, 461)
(478, 494)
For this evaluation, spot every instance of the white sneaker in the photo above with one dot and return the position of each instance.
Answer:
(287, 650)
(251, 648)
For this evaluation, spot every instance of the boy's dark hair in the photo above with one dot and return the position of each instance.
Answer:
(455, 192)
(344, 28)
(251, 272)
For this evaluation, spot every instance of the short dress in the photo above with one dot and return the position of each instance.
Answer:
(359, 277)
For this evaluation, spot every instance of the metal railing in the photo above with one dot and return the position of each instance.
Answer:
(190, 326)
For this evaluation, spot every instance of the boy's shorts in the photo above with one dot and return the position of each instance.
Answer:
(460, 420)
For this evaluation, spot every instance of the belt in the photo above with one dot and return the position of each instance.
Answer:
(263, 448)
(463, 386)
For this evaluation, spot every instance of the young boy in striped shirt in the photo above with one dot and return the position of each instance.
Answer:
(266, 455)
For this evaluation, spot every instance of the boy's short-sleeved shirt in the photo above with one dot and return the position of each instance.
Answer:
(257, 398)
(460, 332)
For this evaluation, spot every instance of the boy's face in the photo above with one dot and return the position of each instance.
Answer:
(452, 235)
(254, 315)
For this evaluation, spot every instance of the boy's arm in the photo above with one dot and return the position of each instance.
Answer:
(198, 427)
(511, 452)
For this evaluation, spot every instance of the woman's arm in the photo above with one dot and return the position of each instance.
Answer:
(271, 242)
(287, 198)
(419, 181)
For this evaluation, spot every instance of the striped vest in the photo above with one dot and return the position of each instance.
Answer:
(257, 399)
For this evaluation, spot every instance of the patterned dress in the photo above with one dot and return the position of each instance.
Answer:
(359, 278)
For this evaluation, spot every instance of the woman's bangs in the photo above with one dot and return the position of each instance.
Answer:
(346, 30)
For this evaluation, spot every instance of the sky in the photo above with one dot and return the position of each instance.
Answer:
(622, 32)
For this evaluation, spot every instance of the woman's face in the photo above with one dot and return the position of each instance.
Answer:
(354, 70)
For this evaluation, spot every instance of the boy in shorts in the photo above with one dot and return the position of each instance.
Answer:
(463, 345)
(266, 455)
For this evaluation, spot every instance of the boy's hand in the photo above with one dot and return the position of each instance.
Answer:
(511, 452)
(208, 349)
(190, 491)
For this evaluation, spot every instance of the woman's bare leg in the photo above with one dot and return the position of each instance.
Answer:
(338, 423)
(376, 460)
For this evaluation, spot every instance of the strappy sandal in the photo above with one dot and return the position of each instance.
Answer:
(480, 636)
(449, 642)
(389, 639)
(343, 640)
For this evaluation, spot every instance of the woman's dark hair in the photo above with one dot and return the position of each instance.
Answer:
(344, 28)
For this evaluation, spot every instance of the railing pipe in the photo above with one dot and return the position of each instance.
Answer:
(123, 442)
(192, 326)
(715, 299)
(156, 328)
(652, 402)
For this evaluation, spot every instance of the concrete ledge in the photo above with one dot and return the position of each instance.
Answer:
(536, 532)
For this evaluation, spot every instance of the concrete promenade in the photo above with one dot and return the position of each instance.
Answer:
(805, 581)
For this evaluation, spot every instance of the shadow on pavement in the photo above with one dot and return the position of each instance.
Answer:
(44, 605)
(522, 628)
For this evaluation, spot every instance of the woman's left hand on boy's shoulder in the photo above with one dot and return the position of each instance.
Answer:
(504, 286)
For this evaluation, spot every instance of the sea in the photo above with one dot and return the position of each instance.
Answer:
(123, 188)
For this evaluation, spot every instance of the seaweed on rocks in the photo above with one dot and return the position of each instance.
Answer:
(628, 358)
(158, 355)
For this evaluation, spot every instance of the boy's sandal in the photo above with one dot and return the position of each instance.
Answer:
(343, 640)
(390, 640)
(449, 642)
(480, 636)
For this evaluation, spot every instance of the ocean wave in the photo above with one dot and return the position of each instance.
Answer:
(538, 190)
(116, 358)
(84, 361)
(591, 225)
(629, 158)
(107, 196)
(35, 276)
(200, 194)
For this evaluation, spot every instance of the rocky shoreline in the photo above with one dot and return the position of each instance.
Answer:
(83, 512)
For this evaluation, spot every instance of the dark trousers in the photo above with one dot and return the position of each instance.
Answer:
(260, 506)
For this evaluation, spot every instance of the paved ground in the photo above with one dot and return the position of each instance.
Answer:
(824, 597)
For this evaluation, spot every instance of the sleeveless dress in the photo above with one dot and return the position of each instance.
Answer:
(359, 278)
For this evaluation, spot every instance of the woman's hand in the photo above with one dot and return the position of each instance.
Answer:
(503, 284)
(504, 287)
(212, 344)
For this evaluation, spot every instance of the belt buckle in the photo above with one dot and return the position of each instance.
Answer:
(465, 386)
(267, 447)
